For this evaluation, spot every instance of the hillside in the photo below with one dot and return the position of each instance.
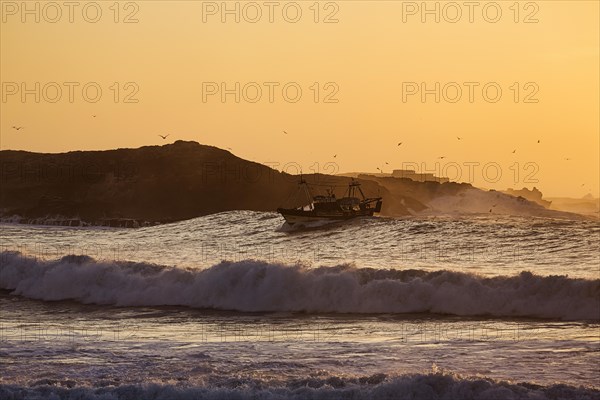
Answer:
(158, 184)
(153, 183)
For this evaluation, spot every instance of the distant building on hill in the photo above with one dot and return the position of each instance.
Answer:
(418, 177)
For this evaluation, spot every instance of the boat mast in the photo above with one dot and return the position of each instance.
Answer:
(360, 190)
(352, 186)
(305, 187)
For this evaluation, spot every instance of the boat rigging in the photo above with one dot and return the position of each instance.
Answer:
(329, 207)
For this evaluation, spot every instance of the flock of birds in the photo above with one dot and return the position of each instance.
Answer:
(164, 137)
(439, 158)
(458, 138)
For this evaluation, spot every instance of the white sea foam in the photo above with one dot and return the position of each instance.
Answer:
(261, 286)
(436, 386)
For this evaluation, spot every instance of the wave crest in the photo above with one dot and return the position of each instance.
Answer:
(436, 386)
(256, 286)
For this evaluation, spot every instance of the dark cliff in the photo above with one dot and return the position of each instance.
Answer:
(153, 183)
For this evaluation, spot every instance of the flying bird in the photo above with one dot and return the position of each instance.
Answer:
(93, 116)
(441, 158)
(538, 140)
(387, 163)
(335, 155)
(285, 132)
(458, 138)
(18, 127)
(514, 151)
(399, 144)
(567, 159)
(164, 137)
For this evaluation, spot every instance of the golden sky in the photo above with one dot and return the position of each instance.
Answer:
(370, 61)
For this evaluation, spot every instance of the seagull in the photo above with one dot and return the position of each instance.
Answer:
(490, 210)
(441, 158)
(514, 151)
(335, 155)
(285, 132)
(538, 140)
(380, 170)
(18, 127)
(93, 116)
(567, 159)
(387, 163)
(458, 138)
(399, 144)
(164, 137)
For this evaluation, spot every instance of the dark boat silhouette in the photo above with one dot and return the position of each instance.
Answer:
(329, 208)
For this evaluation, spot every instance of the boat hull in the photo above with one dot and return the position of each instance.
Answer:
(293, 216)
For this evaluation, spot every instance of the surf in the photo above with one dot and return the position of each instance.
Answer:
(259, 286)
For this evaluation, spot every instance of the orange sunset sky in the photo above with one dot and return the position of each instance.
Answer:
(360, 66)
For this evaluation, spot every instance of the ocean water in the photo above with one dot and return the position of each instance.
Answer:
(236, 305)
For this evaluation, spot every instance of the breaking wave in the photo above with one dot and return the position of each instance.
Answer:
(433, 386)
(256, 286)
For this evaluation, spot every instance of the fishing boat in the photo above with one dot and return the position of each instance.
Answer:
(330, 208)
